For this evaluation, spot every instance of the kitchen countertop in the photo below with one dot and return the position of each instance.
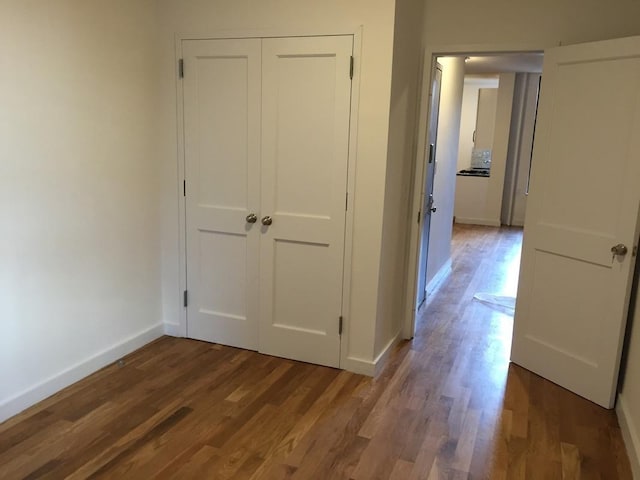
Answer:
(474, 172)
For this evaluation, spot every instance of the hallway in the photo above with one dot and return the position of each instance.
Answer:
(501, 418)
(448, 405)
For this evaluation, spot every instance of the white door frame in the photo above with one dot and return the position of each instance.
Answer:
(356, 33)
(415, 232)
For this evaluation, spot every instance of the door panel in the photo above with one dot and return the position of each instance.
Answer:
(222, 171)
(306, 107)
(573, 294)
(428, 201)
(221, 270)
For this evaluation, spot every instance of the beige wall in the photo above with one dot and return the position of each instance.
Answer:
(407, 54)
(278, 17)
(542, 23)
(79, 247)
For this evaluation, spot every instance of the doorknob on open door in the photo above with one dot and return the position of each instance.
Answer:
(619, 250)
(267, 220)
(430, 206)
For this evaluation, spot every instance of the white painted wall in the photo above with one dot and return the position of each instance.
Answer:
(479, 200)
(444, 185)
(79, 247)
(278, 17)
(401, 154)
(514, 199)
(500, 146)
(472, 84)
(524, 153)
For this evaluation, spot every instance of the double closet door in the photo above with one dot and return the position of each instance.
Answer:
(266, 134)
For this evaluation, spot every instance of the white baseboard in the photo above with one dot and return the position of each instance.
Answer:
(173, 330)
(381, 359)
(371, 368)
(360, 366)
(630, 435)
(57, 382)
(478, 221)
(438, 278)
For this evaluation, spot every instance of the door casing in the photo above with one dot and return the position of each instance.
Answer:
(419, 172)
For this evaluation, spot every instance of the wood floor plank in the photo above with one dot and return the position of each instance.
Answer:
(447, 405)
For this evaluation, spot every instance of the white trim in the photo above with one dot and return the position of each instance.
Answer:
(381, 359)
(359, 366)
(182, 201)
(630, 436)
(346, 29)
(173, 330)
(415, 232)
(478, 221)
(351, 189)
(80, 370)
(356, 33)
(487, 49)
(371, 368)
(438, 278)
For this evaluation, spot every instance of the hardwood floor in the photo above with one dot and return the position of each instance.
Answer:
(448, 405)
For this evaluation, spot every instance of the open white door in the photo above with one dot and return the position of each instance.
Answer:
(584, 199)
(428, 207)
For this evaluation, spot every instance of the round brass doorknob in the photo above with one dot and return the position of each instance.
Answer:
(267, 220)
(252, 218)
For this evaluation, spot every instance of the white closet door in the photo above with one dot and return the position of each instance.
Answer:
(305, 132)
(222, 162)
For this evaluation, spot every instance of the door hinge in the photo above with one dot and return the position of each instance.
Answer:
(419, 212)
(184, 188)
(181, 68)
(184, 298)
(340, 326)
(351, 68)
(346, 202)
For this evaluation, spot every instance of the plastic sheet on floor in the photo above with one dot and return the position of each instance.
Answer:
(501, 301)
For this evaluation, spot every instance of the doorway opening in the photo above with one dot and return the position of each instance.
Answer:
(577, 258)
(475, 166)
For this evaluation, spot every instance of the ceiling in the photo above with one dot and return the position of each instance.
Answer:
(506, 62)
